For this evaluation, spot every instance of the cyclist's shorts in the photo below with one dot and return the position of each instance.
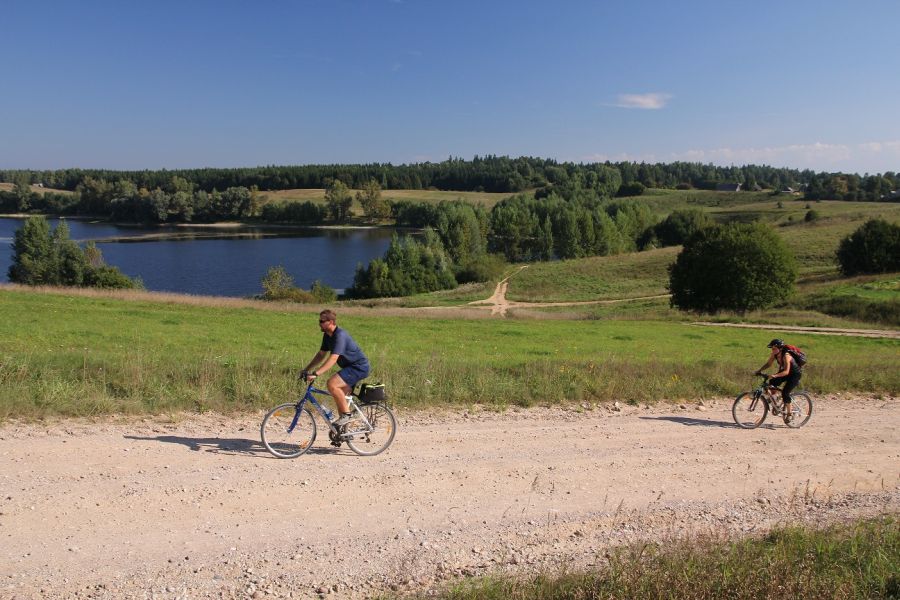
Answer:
(353, 374)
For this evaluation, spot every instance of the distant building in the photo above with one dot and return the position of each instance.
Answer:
(728, 187)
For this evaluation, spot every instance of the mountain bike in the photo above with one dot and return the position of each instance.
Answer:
(751, 408)
(289, 430)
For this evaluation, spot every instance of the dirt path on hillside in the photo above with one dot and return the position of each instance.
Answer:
(197, 508)
(499, 305)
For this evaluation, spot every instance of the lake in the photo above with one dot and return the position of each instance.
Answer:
(229, 261)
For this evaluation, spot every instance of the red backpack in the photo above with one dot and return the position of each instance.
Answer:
(797, 354)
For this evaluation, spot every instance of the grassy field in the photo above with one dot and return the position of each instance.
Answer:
(486, 199)
(8, 187)
(858, 561)
(74, 355)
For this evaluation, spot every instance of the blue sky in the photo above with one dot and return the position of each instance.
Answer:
(148, 85)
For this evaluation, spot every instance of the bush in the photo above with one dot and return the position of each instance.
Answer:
(873, 248)
(737, 267)
(811, 215)
(487, 267)
(278, 284)
(680, 225)
(635, 188)
(45, 257)
(322, 293)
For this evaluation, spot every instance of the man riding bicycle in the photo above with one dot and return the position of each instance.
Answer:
(348, 356)
(789, 373)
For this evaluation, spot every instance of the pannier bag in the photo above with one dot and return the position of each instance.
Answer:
(370, 393)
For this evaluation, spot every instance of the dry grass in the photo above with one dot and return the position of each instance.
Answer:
(8, 187)
(486, 199)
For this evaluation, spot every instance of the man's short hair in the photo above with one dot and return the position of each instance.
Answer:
(328, 315)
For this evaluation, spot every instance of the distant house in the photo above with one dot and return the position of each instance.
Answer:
(728, 187)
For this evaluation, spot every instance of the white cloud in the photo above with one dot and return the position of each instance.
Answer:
(653, 101)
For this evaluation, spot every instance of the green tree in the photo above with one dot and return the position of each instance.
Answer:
(737, 267)
(374, 206)
(45, 257)
(34, 260)
(22, 192)
(680, 225)
(338, 200)
(873, 248)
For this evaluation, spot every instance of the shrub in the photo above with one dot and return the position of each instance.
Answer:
(278, 284)
(873, 248)
(322, 293)
(811, 215)
(680, 225)
(485, 268)
(635, 188)
(45, 257)
(736, 267)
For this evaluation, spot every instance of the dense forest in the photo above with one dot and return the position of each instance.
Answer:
(489, 173)
(202, 195)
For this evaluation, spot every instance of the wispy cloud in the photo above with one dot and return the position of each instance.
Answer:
(653, 101)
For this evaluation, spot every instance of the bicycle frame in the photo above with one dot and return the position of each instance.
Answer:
(762, 392)
(326, 414)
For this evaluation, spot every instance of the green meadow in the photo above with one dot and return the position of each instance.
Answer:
(82, 354)
(76, 355)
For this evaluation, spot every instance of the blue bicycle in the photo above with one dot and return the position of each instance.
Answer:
(289, 430)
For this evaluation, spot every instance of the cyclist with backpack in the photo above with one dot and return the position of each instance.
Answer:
(790, 363)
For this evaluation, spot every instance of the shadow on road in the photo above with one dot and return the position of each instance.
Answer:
(234, 446)
(692, 422)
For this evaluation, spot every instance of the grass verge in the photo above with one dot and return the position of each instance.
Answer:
(860, 561)
(89, 355)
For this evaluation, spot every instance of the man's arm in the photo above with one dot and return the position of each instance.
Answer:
(327, 364)
(317, 359)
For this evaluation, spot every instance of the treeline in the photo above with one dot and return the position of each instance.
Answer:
(175, 202)
(838, 186)
(489, 173)
(465, 243)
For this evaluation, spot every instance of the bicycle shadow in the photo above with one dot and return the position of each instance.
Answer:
(694, 422)
(226, 446)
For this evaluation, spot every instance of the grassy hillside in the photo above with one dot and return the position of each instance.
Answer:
(76, 355)
(486, 199)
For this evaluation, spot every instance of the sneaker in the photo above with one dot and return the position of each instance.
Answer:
(788, 417)
(343, 420)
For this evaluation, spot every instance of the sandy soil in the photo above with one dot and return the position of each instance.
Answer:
(196, 508)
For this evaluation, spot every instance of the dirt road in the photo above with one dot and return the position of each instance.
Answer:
(197, 509)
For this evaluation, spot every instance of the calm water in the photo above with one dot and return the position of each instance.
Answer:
(222, 266)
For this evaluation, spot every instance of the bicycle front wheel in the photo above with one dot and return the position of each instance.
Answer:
(367, 442)
(801, 409)
(749, 412)
(280, 438)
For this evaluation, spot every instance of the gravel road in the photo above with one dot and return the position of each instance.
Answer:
(194, 507)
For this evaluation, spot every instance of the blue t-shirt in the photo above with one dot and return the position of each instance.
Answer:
(348, 351)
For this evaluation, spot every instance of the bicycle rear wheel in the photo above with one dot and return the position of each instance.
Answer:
(281, 442)
(749, 412)
(801, 409)
(370, 443)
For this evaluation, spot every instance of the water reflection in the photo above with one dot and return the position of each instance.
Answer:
(225, 261)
